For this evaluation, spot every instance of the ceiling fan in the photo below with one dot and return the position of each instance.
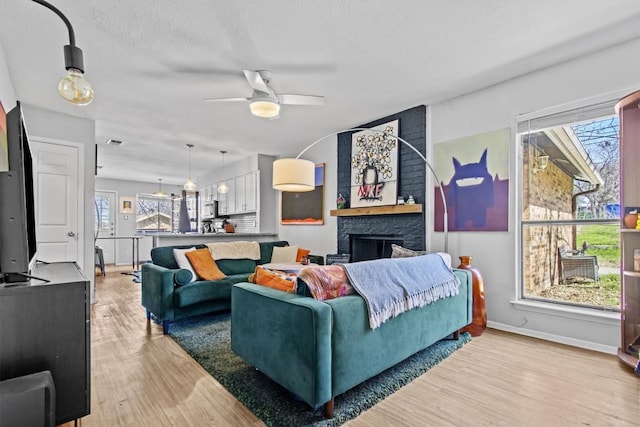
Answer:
(264, 102)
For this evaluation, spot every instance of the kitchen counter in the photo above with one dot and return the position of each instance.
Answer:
(171, 239)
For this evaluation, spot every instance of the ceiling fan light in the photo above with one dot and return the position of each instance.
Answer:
(265, 109)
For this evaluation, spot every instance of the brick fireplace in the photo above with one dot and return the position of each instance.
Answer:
(374, 234)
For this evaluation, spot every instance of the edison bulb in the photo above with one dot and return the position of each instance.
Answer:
(75, 88)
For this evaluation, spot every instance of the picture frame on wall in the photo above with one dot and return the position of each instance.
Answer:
(304, 208)
(374, 166)
(474, 171)
(126, 205)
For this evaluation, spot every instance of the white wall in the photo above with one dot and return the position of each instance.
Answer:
(610, 74)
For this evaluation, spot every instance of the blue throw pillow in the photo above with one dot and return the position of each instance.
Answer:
(182, 277)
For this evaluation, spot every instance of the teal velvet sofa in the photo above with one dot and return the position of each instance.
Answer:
(168, 295)
(320, 349)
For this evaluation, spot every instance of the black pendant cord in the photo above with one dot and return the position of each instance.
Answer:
(72, 36)
(73, 58)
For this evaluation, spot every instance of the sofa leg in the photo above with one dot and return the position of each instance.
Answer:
(456, 335)
(165, 327)
(148, 315)
(328, 409)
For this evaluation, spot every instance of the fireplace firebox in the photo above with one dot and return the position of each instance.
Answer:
(372, 246)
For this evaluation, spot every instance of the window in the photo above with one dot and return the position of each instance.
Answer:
(153, 214)
(570, 208)
(102, 214)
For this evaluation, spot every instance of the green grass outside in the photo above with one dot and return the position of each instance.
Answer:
(605, 235)
(603, 241)
(611, 285)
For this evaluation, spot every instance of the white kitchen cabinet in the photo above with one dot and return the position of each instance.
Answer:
(227, 201)
(245, 192)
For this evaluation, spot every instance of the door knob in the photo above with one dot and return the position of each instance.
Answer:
(71, 234)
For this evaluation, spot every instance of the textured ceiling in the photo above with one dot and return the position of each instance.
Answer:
(153, 62)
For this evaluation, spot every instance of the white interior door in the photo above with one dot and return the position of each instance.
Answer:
(106, 206)
(57, 191)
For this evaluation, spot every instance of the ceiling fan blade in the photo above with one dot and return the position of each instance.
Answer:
(301, 99)
(256, 81)
(225, 99)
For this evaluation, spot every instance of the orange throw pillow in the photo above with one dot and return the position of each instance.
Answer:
(204, 265)
(275, 279)
(302, 253)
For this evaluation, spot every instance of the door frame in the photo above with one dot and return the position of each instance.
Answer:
(115, 219)
(83, 242)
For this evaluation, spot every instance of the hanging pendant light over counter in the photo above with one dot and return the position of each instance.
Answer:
(190, 185)
(223, 188)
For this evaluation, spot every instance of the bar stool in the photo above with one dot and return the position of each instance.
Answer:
(100, 259)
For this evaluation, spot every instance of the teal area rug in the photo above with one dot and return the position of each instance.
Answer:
(207, 339)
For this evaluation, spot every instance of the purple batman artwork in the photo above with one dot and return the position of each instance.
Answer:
(474, 172)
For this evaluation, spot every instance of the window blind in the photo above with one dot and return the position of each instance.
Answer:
(581, 114)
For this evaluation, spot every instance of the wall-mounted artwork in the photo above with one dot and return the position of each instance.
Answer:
(475, 175)
(126, 205)
(374, 166)
(305, 208)
(4, 152)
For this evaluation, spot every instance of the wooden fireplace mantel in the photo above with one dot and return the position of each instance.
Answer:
(378, 210)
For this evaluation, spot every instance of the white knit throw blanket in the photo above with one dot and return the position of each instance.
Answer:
(235, 250)
(391, 286)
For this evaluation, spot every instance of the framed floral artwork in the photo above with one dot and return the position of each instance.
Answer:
(374, 166)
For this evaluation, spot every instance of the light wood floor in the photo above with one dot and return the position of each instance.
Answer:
(142, 378)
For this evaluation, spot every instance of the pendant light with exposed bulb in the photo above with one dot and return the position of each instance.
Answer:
(73, 87)
(189, 185)
(223, 188)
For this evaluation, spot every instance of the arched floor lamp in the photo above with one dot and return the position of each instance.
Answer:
(299, 174)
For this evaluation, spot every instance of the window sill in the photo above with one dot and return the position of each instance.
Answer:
(578, 313)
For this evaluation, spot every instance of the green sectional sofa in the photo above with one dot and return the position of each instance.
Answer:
(320, 349)
(168, 295)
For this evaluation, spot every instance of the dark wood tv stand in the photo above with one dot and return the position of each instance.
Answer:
(46, 326)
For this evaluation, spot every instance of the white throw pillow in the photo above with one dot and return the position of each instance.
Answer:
(183, 261)
(284, 255)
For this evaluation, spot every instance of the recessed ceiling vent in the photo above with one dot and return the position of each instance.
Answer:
(112, 141)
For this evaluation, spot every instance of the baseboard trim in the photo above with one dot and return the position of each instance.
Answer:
(588, 345)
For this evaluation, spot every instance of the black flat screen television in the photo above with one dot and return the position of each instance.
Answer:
(17, 207)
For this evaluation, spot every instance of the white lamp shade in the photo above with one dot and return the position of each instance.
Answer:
(266, 109)
(294, 175)
(190, 185)
(223, 188)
